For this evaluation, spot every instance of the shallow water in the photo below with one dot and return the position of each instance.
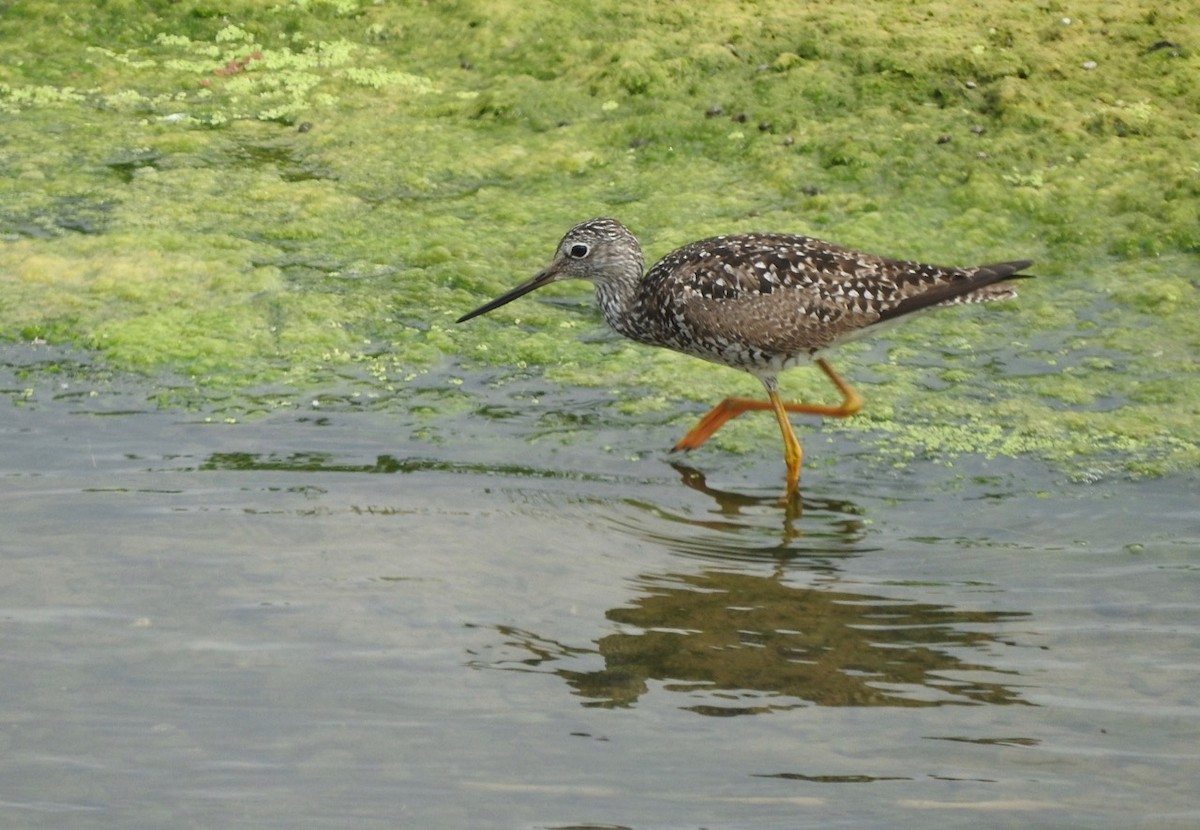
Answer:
(325, 619)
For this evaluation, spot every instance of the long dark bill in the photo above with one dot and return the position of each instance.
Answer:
(537, 281)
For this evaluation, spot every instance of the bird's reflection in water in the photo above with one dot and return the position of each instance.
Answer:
(764, 624)
(736, 643)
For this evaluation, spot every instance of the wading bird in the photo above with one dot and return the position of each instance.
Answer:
(760, 302)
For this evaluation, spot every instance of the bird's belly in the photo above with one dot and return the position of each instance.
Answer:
(741, 356)
(718, 344)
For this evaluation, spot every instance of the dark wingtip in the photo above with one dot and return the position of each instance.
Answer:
(981, 277)
(1006, 270)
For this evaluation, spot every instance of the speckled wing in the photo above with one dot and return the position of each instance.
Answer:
(765, 301)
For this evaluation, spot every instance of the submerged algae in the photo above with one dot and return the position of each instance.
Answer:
(286, 193)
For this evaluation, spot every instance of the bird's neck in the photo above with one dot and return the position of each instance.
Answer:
(617, 296)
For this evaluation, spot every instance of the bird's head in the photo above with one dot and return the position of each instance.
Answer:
(597, 250)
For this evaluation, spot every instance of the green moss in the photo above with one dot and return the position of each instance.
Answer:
(295, 192)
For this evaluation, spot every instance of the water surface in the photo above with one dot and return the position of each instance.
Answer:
(318, 619)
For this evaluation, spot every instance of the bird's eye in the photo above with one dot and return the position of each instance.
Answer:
(579, 251)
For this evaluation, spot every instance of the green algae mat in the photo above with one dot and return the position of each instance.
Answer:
(252, 204)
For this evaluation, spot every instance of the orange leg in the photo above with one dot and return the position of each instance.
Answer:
(791, 447)
(730, 408)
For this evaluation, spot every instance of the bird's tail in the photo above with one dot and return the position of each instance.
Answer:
(979, 284)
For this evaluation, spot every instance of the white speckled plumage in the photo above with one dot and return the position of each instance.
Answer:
(755, 301)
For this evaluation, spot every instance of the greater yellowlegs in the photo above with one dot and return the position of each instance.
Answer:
(760, 302)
